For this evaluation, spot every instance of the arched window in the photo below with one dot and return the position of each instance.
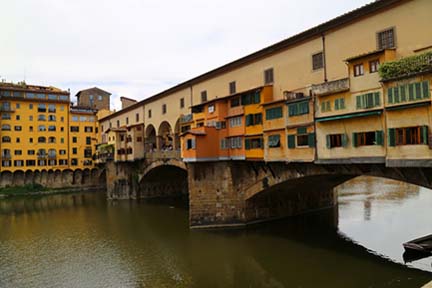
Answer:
(51, 118)
(41, 152)
(41, 117)
(41, 140)
(51, 140)
(41, 128)
(6, 127)
(51, 153)
(6, 139)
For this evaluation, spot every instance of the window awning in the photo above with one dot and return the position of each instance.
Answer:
(406, 106)
(348, 116)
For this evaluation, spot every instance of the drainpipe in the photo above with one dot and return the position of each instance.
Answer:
(324, 57)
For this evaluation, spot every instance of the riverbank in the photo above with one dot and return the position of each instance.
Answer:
(39, 190)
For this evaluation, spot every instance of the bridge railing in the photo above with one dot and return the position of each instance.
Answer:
(156, 155)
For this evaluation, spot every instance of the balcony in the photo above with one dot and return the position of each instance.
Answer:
(331, 87)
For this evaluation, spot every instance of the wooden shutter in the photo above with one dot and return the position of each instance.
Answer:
(311, 140)
(391, 142)
(354, 139)
(425, 134)
(396, 95)
(328, 141)
(323, 107)
(402, 92)
(425, 87)
(418, 90)
(193, 143)
(411, 92)
(344, 139)
(376, 99)
(291, 141)
(379, 139)
(247, 144)
(390, 95)
(336, 104)
(257, 97)
(358, 102)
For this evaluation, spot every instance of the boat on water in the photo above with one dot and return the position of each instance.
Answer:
(419, 245)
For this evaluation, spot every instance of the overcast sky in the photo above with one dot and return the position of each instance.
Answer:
(137, 48)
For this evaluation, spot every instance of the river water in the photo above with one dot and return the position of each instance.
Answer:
(81, 240)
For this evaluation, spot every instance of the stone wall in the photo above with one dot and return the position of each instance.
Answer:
(55, 178)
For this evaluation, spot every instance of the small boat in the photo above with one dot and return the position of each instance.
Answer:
(422, 245)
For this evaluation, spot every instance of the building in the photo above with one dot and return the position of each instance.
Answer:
(38, 127)
(328, 104)
(94, 98)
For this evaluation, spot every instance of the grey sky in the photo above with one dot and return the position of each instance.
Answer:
(137, 48)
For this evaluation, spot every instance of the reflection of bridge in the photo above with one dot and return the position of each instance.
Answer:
(227, 193)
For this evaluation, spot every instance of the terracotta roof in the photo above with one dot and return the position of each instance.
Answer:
(32, 88)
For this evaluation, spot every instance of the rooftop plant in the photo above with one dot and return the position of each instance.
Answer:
(406, 66)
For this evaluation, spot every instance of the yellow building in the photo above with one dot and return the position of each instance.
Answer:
(35, 130)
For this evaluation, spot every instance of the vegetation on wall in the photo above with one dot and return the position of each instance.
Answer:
(406, 66)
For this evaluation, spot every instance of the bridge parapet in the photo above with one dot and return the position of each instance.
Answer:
(158, 155)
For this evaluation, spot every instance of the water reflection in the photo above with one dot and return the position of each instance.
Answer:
(86, 242)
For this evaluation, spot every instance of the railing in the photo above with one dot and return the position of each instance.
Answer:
(331, 87)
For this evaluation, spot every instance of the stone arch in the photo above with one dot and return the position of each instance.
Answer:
(150, 143)
(86, 177)
(155, 164)
(165, 136)
(18, 178)
(67, 177)
(77, 176)
(6, 178)
(28, 177)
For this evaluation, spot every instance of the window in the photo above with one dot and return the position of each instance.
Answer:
(51, 108)
(325, 106)
(298, 108)
(62, 152)
(41, 128)
(74, 139)
(63, 162)
(373, 66)
(386, 39)
(62, 108)
(235, 142)
(51, 118)
(232, 87)
(51, 128)
(18, 163)
(408, 92)
(74, 162)
(30, 152)
(61, 119)
(149, 113)
(18, 152)
(30, 118)
(136, 117)
(41, 117)
(139, 139)
(253, 119)
(5, 153)
(302, 138)
(74, 118)
(118, 123)
(251, 98)
(74, 150)
(30, 106)
(30, 96)
(254, 143)
(30, 162)
(83, 118)
(18, 140)
(6, 127)
(273, 113)
(52, 153)
(190, 144)
(127, 120)
(52, 97)
(211, 108)
(41, 140)
(235, 102)
(204, 96)
(367, 138)
(30, 140)
(368, 100)
(268, 76)
(31, 128)
(164, 108)
(336, 140)
(88, 140)
(358, 70)
(339, 104)
(6, 163)
(182, 103)
(17, 117)
(17, 128)
(62, 140)
(6, 139)
(274, 141)
(87, 153)
(318, 61)
(89, 129)
(408, 136)
(74, 128)
(100, 97)
(17, 105)
(41, 107)
(224, 144)
(235, 121)
(6, 116)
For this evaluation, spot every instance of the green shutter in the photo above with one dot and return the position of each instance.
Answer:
(248, 120)
(390, 95)
(328, 142)
(379, 139)
(426, 91)
(328, 106)
(411, 92)
(311, 140)
(291, 141)
(402, 92)
(257, 97)
(342, 103)
(418, 90)
(247, 144)
(344, 140)
(370, 100)
(358, 102)
(304, 107)
(396, 94)
(391, 142)
(291, 109)
(354, 139)
(323, 106)
(301, 130)
(425, 134)
(376, 99)
(336, 104)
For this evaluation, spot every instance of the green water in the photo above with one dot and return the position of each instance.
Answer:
(81, 240)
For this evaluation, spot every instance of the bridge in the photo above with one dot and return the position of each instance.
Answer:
(238, 193)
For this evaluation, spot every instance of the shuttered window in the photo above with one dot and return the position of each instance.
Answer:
(339, 104)
(273, 113)
(368, 100)
(325, 106)
(367, 138)
(408, 136)
(254, 143)
(274, 141)
(299, 108)
(408, 92)
(336, 140)
(301, 139)
(253, 119)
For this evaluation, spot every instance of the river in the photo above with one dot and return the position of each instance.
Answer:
(81, 240)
